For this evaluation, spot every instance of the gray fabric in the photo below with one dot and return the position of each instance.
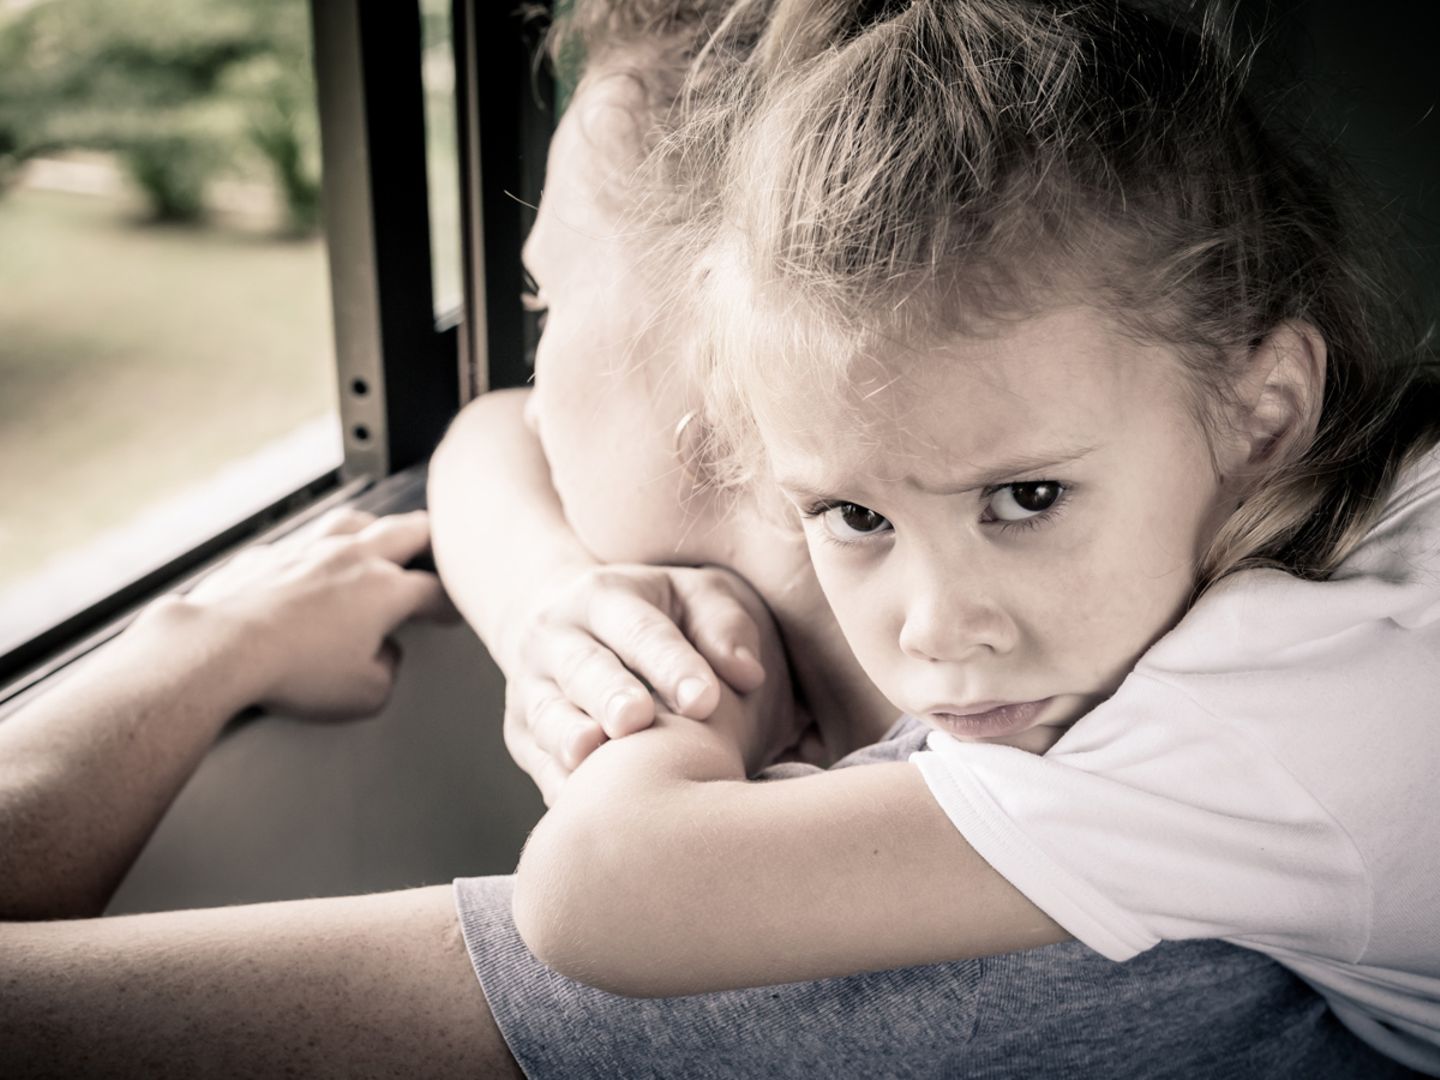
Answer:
(1194, 1010)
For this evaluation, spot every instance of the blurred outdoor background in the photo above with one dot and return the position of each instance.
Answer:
(166, 360)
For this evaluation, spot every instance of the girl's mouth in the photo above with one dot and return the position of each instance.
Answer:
(987, 720)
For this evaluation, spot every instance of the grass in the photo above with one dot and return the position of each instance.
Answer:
(135, 360)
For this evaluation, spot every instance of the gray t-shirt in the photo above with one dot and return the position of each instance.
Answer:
(1190, 1010)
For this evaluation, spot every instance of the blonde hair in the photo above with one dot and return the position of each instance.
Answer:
(897, 170)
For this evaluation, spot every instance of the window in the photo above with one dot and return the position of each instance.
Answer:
(165, 341)
(442, 173)
(189, 349)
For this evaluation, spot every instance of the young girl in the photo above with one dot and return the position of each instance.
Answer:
(1043, 335)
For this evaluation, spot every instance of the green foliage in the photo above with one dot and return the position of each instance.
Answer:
(281, 126)
(179, 89)
(173, 172)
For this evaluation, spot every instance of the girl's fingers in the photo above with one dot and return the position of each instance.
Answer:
(596, 683)
(722, 629)
(560, 730)
(549, 775)
(398, 537)
(648, 643)
(580, 741)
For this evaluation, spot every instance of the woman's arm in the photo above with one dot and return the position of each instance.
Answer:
(661, 871)
(355, 986)
(89, 767)
(87, 771)
(375, 985)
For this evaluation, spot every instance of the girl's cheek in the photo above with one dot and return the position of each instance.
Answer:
(857, 597)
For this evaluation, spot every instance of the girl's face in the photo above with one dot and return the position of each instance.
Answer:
(1003, 525)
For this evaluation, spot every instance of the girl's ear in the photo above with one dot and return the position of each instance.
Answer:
(1277, 398)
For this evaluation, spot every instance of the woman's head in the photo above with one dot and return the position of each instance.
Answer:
(606, 382)
(908, 181)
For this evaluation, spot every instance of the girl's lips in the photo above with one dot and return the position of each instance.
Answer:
(995, 722)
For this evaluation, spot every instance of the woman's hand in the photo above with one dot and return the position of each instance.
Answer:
(89, 766)
(594, 649)
(309, 617)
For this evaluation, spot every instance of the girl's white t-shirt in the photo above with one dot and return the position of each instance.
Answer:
(1269, 774)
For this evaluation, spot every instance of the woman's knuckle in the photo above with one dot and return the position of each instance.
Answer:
(332, 549)
(348, 518)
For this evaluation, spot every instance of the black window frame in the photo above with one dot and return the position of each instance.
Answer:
(402, 372)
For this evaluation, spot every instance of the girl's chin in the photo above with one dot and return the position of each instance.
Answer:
(1035, 740)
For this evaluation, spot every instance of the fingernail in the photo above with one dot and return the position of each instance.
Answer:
(573, 741)
(690, 690)
(616, 706)
(744, 655)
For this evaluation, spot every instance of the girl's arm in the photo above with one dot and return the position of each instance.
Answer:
(499, 532)
(89, 767)
(661, 871)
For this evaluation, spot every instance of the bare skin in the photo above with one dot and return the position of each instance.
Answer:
(532, 491)
(359, 986)
(659, 849)
(376, 985)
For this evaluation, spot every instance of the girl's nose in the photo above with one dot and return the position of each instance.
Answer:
(954, 622)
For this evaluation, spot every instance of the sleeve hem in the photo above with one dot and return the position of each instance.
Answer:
(1083, 912)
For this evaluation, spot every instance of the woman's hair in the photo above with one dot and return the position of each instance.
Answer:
(652, 40)
(668, 52)
(899, 171)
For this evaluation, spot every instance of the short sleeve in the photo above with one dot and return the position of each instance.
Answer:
(1151, 821)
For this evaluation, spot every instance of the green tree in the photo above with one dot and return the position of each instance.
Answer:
(177, 89)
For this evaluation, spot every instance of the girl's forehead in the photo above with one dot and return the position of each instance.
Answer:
(1054, 354)
(1061, 380)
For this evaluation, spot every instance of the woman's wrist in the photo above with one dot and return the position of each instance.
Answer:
(214, 654)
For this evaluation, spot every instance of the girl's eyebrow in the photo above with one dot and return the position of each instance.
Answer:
(1001, 472)
(991, 474)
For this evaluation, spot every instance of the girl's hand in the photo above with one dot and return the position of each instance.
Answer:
(309, 618)
(591, 651)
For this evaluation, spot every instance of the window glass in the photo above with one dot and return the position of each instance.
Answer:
(166, 363)
(442, 157)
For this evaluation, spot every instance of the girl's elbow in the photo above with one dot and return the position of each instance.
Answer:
(570, 912)
(541, 907)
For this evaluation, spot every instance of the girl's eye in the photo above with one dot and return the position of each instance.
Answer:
(1021, 502)
(851, 521)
